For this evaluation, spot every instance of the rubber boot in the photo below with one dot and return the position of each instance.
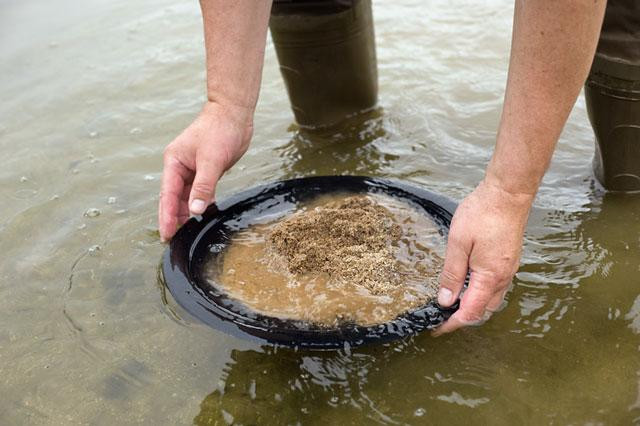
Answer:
(613, 105)
(326, 51)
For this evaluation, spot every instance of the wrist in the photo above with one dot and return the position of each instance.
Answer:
(241, 118)
(237, 113)
(499, 193)
(516, 179)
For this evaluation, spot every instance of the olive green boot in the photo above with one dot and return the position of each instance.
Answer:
(326, 51)
(613, 105)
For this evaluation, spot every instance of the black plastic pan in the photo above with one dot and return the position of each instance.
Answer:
(203, 238)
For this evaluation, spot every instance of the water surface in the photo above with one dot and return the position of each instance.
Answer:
(93, 91)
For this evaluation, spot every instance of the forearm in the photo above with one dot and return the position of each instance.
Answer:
(551, 53)
(235, 34)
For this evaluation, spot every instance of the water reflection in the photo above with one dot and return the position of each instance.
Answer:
(441, 83)
(569, 256)
(283, 386)
(355, 146)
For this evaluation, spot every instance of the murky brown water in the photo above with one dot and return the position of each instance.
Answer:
(257, 276)
(91, 93)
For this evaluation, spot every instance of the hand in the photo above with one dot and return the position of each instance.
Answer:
(197, 158)
(486, 238)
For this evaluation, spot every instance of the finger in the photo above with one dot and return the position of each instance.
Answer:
(183, 212)
(473, 305)
(173, 180)
(183, 207)
(456, 321)
(453, 323)
(183, 204)
(497, 303)
(203, 189)
(454, 271)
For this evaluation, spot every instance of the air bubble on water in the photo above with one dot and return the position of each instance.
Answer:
(94, 160)
(347, 348)
(334, 399)
(75, 171)
(228, 417)
(111, 200)
(148, 177)
(93, 134)
(92, 314)
(92, 212)
(135, 131)
(420, 412)
(24, 179)
(94, 249)
(121, 211)
(242, 167)
(81, 227)
(216, 248)
(55, 197)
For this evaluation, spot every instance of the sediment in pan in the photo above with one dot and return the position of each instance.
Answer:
(356, 258)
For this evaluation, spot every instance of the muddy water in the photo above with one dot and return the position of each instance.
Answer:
(92, 91)
(258, 277)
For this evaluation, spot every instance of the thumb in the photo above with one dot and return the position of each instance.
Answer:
(454, 271)
(204, 185)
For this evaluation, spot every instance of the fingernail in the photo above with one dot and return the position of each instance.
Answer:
(198, 206)
(444, 296)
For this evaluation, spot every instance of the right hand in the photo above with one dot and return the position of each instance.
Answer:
(197, 158)
(485, 238)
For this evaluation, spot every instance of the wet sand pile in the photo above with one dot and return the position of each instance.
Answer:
(340, 258)
(349, 239)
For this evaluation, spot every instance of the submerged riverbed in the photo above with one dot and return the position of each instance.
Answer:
(92, 92)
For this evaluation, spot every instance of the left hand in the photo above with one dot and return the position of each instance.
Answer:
(485, 238)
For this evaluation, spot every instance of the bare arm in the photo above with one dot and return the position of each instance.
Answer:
(235, 34)
(552, 49)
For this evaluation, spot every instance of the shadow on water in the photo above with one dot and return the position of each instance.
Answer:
(355, 146)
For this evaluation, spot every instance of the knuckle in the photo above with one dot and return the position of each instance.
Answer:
(495, 279)
(449, 278)
(168, 152)
(471, 317)
(455, 238)
(202, 187)
(503, 276)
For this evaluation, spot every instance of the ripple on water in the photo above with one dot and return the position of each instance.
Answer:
(92, 212)
(564, 350)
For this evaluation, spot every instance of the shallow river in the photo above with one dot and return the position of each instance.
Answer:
(93, 91)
